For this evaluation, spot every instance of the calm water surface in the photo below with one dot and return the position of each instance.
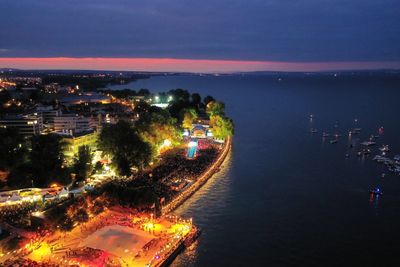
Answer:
(286, 197)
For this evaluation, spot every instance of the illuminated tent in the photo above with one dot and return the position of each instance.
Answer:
(63, 193)
(15, 197)
(199, 131)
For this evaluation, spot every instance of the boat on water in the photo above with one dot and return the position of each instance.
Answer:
(333, 141)
(378, 158)
(376, 192)
(325, 134)
(384, 148)
(367, 151)
(368, 143)
(354, 132)
(313, 130)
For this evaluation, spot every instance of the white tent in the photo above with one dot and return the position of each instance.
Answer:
(63, 193)
(15, 197)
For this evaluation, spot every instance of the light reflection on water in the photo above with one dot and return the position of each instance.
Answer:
(213, 196)
(287, 198)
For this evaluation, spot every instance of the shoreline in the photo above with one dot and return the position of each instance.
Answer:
(180, 199)
(185, 195)
(200, 181)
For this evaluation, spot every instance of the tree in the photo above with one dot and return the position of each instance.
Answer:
(180, 95)
(98, 167)
(142, 107)
(176, 109)
(47, 159)
(20, 176)
(189, 117)
(222, 126)
(208, 99)
(65, 222)
(125, 146)
(83, 163)
(196, 99)
(215, 108)
(13, 149)
(81, 215)
(98, 207)
(157, 126)
(143, 92)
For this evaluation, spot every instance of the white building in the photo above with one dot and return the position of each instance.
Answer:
(72, 123)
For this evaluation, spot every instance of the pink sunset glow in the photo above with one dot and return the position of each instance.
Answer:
(185, 65)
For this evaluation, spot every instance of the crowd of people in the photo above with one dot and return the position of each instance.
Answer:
(26, 263)
(16, 215)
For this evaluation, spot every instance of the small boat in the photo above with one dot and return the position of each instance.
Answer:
(333, 141)
(368, 143)
(338, 135)
(357, 130)
(378, 158)
(325, 134)
(376, 192)
(384, 148)
(313, 130)
(359, 154)
(366, 151)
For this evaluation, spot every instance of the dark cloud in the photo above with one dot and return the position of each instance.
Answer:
(283, 30)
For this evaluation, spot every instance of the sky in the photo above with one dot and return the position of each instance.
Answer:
(207, 35)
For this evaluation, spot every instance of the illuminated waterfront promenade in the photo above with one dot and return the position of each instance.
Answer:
(200, 181)
(138, 239)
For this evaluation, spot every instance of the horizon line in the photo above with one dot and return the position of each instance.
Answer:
(187, 65)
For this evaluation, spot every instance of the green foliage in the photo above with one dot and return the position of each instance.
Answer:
(208, 99)
(189, 117)
(98, 207)
(13, 150)
(125, 146)
(47, 159)
(222, 126)
(140, 196)
(20, 176)
(65, 223)
(215, 108)
(196, 99)
(83, 163)
(156, 126)
(143, 92)
(81, 215)
(98, 167)
(142, 107)
(180, 95)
